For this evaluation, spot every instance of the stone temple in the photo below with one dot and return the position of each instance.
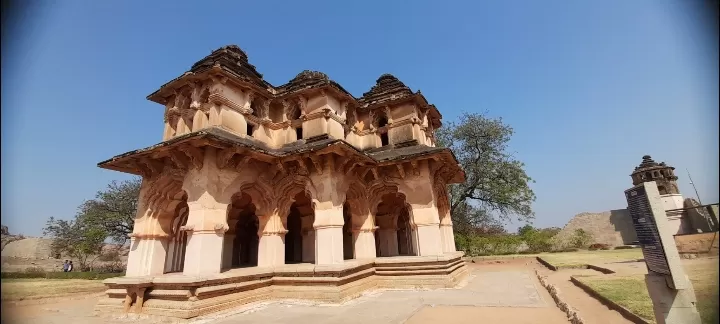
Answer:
(294, 191)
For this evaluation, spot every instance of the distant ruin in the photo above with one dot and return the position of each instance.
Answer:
(615, 227)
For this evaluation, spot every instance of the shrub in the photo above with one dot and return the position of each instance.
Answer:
(479, 245)
(112, 267)
(581, 238)
(59, 275)
(598, 246)
(35, 269)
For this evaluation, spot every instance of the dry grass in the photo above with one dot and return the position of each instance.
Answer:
(22, 289)
(580, 258)
(631, 293)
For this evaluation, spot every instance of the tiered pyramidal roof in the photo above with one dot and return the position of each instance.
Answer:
(235, 61)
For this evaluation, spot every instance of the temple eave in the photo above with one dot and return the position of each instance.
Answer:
(166, 89)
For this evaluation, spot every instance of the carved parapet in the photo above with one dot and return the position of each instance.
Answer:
(220, 99)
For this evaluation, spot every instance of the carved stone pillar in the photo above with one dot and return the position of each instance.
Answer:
(228, 250)
(204, 252)
(271, 249)
(363, 230)
(149, 240)
(388, 241)
(147, 256)
(328, 235)
(426, 230)
(207, 218)
(328, 199)
(228, 244)
(308, 239)
(424, 218)
(447, 237)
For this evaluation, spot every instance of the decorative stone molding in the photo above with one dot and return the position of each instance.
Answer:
(219, 98)
(221, 227)
(143, 236)
(187, 228)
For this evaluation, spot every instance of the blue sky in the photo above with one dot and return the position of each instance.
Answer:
(589, 86)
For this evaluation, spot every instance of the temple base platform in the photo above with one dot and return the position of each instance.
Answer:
(179, 296)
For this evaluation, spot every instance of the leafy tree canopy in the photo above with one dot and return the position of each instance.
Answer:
(496, 188)
(76, 238)
(113, 209)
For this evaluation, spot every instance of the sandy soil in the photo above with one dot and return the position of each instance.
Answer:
(507, 291)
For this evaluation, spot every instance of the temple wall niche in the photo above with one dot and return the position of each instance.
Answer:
(276, 113)
(264, 134)
(314, 127)
(401, 134)
(334, 128)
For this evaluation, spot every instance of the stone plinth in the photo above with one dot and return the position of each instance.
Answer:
(182, 296)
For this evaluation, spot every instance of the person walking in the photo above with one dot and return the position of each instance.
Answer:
(70, 267)
(65, 266)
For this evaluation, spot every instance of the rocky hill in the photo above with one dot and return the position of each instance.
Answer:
(6, 237)
(20, 253)
(613, 227)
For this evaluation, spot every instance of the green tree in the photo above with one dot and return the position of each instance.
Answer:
(496, 186)
(525, 230)
(76, 238)
(113, 209)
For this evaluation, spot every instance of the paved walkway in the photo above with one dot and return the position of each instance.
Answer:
(498, 293)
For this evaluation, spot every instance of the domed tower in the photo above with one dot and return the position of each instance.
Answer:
(664, 177)
(662, 174)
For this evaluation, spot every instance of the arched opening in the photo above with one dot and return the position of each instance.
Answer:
(175, 257)
(384, 139)
(299, 132)
(250, 129)
(347, 233)
(293, 238)
(394, 234)
(295, 113)
(246, 241)
(300, 238)
(382, 122)
(255, 106)
(404, 232)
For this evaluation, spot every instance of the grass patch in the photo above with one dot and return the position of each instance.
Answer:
(21, 289)
(581, 258)
(631, 292)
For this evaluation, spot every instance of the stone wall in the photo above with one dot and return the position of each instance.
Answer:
(703, 243)
(613, 227)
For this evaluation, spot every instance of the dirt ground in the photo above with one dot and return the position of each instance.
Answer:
(498, 291)
(505, 292)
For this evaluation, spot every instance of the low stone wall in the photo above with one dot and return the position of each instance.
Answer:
(176, 295)
(561, 303)
(702, 244)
